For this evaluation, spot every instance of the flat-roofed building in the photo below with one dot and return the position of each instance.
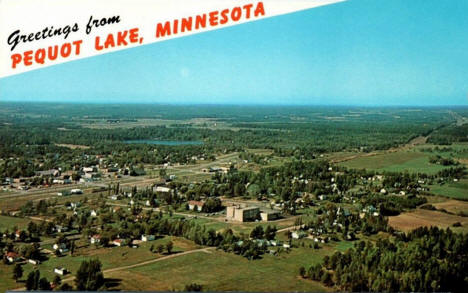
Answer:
(269, 215)
(242, 214)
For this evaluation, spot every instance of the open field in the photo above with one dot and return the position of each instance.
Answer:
(7, 222)
(426, 218)
(456, 190)
(453, 206)
(110, 257)
(6, 282)
(399, 161)
(220, 271)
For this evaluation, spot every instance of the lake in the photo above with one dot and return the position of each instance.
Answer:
(165, 142)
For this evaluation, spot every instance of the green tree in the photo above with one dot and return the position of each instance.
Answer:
(44, 284)
(89, 276)
(169, 247)
(17, 272)
(302, 272)
(57, 280)
(32, 281)
(257, 232)
(160, 248)
(193, 287)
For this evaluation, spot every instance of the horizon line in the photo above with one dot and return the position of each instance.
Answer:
(232, 104)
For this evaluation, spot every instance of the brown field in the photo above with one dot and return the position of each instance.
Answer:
(453, 206)
(425, 218)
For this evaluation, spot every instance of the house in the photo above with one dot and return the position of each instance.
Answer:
(119, 242)
(162, 189)
(95, 239)
(322, 197)
(76, 191)
(286, 245)
(61, 271)
(195, 205)
(93, 213)
(61, 229)
(242, 214)
(12, 257)
(75, 205)
(51, 172)
(114, 197)
(298, 234)
(17, 234)
(147, 237)
(34, 261)
(276, 243)
(88, 169)
(63, 193)
(62, 247)
(61, 181)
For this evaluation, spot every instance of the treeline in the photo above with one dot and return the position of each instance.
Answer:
(426, 259)
(449, 135)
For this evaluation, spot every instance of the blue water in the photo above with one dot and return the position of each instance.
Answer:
(165, 142)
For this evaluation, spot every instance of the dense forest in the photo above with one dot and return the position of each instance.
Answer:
(421, 261)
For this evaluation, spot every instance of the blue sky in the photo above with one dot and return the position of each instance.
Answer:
(360, 52)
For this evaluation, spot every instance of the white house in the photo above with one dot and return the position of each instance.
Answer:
(162, 189)
(147, 237)
(62, 247)
(298, 235)
(95, 239)
(322, 197)
(88, 169)
(60, 271)
(61, 229)
(93, 213)
(34, 261)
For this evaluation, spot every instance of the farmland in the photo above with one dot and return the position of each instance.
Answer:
(399, 161)
(424, 218)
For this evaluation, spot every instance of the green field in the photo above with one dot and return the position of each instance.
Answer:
(110, 257)
(219, 271)
(413, 162)
(9, 223)
(457, 190)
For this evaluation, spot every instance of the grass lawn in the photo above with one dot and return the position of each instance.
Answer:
(220, 271)
(6, 281)
(7, 222)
